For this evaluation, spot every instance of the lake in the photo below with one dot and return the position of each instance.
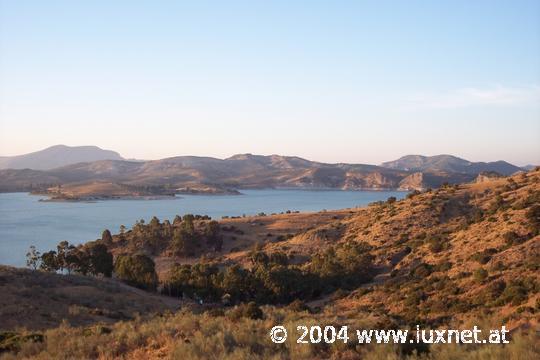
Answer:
(25, 221)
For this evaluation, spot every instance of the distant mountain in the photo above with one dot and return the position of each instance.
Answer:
(194, 174)
(57, 156)
(529, 167)
(449, 164)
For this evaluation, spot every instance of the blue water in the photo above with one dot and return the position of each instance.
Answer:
(25, 221)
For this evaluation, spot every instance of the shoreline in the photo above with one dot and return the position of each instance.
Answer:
(178, 195)
(92, 199)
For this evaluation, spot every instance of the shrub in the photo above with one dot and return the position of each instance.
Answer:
(480, 274)
(414, 298)
(298, 306)
(444, 266)
(533, 215)
(421, 271)
(249, 310)
(492, 292)
(391, 200)
(498, 266)
(11, 341)
(483, 257)
(215, 312)
(435, 245)
(413, 194)
(476, 215)
(514, 293)
(512, 238)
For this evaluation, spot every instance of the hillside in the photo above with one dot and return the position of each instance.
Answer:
(447, 254)
(38, 300)
(57, 156)
(452, 257)
(190, 174)
(449, 164)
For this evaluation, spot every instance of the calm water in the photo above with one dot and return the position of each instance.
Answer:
(25, 221)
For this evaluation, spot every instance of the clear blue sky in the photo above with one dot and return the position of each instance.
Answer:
(351, 81)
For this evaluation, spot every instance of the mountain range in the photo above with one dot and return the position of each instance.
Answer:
(90, 172)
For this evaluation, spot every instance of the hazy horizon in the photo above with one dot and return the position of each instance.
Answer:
(269, 154)
(352, 82)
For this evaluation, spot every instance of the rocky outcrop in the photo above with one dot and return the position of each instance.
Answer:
(413, 182)
(487, 176)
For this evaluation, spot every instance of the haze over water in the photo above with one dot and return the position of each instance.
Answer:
(25, 221)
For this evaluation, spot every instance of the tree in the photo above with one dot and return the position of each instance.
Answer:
(49, 261)
(62, 249)
(106, 237)
(238, 283)
(344, 265)
(178, 245)
(137, 270)
(213, 237)
(154, 223)
(187, 223)
(70, 258)
(101, 260)
(199, 281)
(167, 229)
(77, 260)
(185, 238)
(33, 258)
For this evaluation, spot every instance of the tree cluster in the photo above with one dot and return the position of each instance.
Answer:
(92, 258)
(271, 279)
(185, 236)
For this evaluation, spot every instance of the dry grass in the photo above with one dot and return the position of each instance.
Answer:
(200, 336)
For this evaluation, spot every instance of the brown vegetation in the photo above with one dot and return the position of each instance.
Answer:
(456, 256)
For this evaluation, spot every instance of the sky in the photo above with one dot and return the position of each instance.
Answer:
(339, 81)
